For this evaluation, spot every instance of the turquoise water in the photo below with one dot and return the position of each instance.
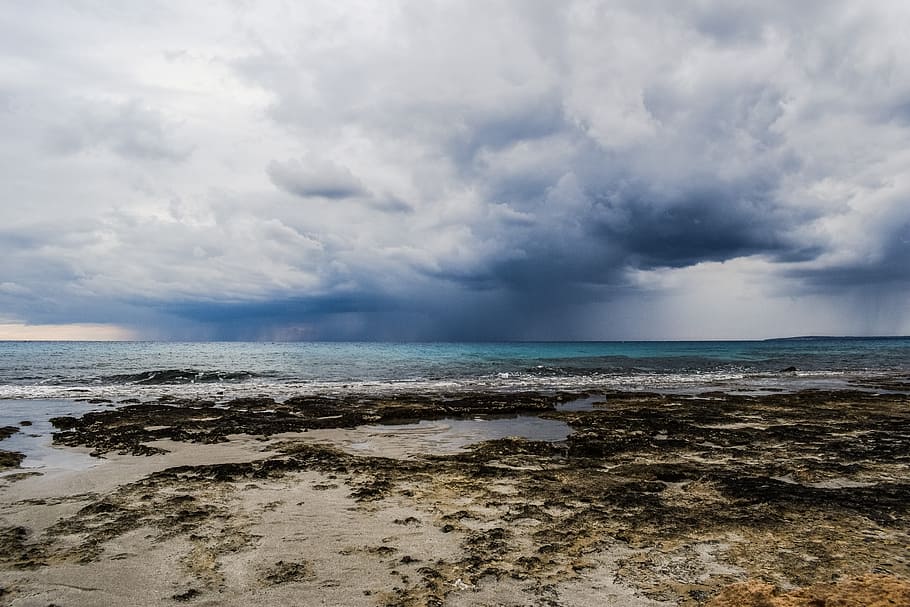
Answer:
(147, 369)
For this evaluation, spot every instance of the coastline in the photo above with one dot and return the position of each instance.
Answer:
(653, 499)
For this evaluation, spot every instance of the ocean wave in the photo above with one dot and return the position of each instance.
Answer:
(179, 376)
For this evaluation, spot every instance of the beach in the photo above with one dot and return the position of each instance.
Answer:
(645, 499)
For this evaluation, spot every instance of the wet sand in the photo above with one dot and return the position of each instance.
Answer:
(782, 499)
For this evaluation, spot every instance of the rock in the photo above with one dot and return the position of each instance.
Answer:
(789, 370)
(10, 459)
(287, 571)
(188, 595)
(64, 422)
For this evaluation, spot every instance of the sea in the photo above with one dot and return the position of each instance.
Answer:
(223, 370)
(42, 380)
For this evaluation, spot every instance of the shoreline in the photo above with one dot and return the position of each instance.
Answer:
(788, 380)
(652, 500)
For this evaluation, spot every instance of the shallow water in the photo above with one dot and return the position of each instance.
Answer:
(585, 403)
(35, 441)
(426, 437)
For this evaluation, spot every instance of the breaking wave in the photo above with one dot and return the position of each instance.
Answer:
(180, 376)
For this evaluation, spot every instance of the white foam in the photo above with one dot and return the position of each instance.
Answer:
(662, 382)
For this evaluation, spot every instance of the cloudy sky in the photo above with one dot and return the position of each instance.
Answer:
(454, 170)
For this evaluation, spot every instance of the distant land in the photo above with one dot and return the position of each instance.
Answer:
(834, 337)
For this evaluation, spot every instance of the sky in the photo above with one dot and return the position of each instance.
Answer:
(422, 170)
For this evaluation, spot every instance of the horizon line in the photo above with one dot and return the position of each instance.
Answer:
(451, 341)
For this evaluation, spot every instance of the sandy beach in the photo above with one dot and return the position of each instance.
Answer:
(715, 499)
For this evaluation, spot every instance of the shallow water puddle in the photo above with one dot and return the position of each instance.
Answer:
(585, 403)
(35, 440)
(440, 437)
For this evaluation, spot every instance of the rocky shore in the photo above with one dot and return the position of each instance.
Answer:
(717, 499)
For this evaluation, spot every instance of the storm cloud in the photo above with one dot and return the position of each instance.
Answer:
(444, 170)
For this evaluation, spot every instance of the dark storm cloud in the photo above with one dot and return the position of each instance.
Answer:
(708, 222)
(352, 316)
(278, 310)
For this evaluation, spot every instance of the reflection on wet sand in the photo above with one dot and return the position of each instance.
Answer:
(441, 436)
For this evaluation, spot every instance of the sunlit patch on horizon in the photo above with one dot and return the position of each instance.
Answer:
(10, 331)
